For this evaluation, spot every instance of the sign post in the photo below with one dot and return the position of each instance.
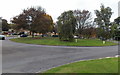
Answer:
(76, 38)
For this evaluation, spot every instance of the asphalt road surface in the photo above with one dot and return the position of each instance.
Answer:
(27, 58)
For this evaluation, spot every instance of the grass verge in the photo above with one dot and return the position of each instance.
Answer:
(57, 42)
(106, 65)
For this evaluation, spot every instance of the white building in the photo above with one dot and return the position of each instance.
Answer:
(119, 8)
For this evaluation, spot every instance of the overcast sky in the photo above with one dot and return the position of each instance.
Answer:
(11, 8)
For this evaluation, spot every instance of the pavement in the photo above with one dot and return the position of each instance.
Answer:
(28, 58)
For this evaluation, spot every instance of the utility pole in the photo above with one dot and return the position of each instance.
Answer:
(119, 9)
(0, 25)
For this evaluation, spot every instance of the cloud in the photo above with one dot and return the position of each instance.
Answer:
(11, 8)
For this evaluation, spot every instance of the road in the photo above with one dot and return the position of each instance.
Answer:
(27, 58)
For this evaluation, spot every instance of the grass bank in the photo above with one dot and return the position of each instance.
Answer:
(107, 65)
(57, 42)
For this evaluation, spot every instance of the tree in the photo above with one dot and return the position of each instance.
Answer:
(55, 28)
(117, 20)
(103, 21)
(89, 32)
(43, 24)
(5, 25)
(83, 19)
(66, 26)
(117, 28)
(34, 20)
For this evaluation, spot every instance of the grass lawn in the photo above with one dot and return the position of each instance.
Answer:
(56, 42)
(106, 65)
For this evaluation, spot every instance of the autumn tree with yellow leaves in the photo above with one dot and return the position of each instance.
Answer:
(35, 20)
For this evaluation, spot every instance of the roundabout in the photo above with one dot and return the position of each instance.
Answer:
(29, 58)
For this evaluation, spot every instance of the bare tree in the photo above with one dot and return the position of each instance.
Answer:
(83, 19)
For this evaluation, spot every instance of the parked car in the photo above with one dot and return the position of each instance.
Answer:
(117, 38)
(2, 37)
(23, 35)
(14, 34)
(55, 36)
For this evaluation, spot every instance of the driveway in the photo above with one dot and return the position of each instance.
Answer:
(27, 58)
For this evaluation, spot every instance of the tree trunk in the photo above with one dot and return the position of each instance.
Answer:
(32, 34)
